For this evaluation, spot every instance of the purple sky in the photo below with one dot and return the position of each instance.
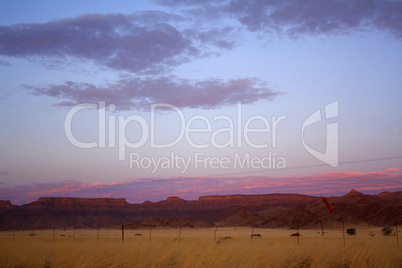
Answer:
(246, 88)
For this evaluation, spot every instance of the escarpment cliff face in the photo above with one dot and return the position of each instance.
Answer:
(6, 205)
(55, 212)
(354, 208)
(59, 212)
(270, 210)
(252, 201)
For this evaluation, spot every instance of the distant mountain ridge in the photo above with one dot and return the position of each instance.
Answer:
(267, 210)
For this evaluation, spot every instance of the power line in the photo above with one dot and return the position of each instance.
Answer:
(311, 166)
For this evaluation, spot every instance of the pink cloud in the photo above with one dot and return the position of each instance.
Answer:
(393, 169)
(140, 190)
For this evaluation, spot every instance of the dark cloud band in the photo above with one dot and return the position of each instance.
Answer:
(133, 43)
(298, 18)
(140, 93)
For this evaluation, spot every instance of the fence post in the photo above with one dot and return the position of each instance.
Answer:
(343, 232)
(322, 228)
(180, 233)
(122, 232)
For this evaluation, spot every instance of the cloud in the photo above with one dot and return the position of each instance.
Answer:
(4, 63)
(137, 93)
(140, 190)
(298, 18)
(3, 173)
(392, 169)
(113, 40)
(143, 42)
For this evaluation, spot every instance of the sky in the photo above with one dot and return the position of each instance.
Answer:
(149, 99)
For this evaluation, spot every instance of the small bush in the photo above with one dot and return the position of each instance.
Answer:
(226, 238)
(47, 264)
(386, 231)
(255, 235)
(351, 231)
(295, 234)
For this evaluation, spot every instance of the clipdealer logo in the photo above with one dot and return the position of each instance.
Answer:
(330, 156)
(239, 135)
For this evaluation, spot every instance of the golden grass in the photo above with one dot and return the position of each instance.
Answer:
(197, 248)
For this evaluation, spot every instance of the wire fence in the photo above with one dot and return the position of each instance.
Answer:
(336, 233)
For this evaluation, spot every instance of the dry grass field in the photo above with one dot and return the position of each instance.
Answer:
(197, 248)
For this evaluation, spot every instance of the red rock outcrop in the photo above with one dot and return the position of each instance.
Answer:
(242, 217)
(252, 201)
(271, 210)
(354, 207)
(6, 205)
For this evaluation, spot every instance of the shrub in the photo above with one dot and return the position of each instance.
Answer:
(386, 231)
(255, 235)
(295, 234)
(226, 238)
(351, 231)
